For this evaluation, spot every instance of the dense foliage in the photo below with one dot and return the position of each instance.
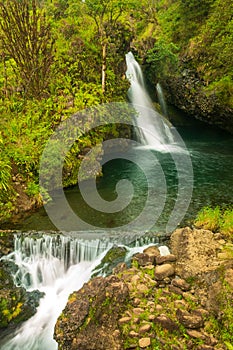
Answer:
(58, 57)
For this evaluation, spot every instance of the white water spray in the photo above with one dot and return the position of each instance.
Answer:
(154, 130)
(161, 100)
(55, 265)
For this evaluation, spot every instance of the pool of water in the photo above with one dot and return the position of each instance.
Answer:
(211, 154)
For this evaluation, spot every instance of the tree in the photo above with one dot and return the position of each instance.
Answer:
(107, 15)
(26, 37)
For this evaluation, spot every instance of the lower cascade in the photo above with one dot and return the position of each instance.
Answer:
(56, 265)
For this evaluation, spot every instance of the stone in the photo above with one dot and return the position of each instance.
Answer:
(159, 307)
(164, 259)
(151, 317)
(133, 334)
(196, 251)
(125, 319)
(162, 271)
(145, 328)
(144, 342)
(152, 251)
(136, 301)
(175, 290)
(180, 283)
(166, 323)
(138, 310)
(143, 259)
(89, 304)
(195, 334)
(193, 321)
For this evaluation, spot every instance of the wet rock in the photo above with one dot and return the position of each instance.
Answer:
(113, 260)
(162, 271)
(91, 316)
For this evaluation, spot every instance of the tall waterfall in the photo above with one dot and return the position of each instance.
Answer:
(154, 130)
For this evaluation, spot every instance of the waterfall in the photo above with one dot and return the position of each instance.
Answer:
(55, 265)
(161, 100)
(154, 130)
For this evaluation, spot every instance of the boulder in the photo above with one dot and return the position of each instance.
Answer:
(162, 271)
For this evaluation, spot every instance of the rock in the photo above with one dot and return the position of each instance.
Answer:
(133, 334)
(196, 251)
(145, 328)
(158, 307)
(180, 283)
(175, 290)
(193, 321)
(138, 310)
(196, 334)
(143, 259)
(113, 260)
(163, 271)
(144, 342)
(124, 320)
(91, 316)
(164, 259)
(152, 252)
(166, 323)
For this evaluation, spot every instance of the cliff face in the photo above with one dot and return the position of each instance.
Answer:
(187, 92)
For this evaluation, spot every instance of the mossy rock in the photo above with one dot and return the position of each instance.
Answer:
(16, 304)
(113, 257)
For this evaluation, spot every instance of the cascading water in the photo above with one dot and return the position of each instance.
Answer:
(56, 265)
(154, 130)
(161, 100)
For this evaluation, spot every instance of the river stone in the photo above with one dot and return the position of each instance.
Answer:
(144, 342)
(162, 271)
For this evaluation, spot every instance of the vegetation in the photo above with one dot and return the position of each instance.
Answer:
(59, 57)
(216, 220)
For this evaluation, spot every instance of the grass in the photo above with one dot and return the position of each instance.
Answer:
(216, 219)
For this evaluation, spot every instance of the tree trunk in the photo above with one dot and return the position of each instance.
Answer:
(104, 66)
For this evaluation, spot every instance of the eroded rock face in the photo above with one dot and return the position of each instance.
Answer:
(196, 251)
(90, 318)
(188, 94)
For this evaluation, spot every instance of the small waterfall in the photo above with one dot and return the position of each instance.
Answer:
(161, 100)
(154, 130)
(56, 265)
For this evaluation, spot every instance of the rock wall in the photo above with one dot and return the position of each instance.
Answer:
(186, 92)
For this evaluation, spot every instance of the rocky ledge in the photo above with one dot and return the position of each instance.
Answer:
(178, 301)
(188, 93)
